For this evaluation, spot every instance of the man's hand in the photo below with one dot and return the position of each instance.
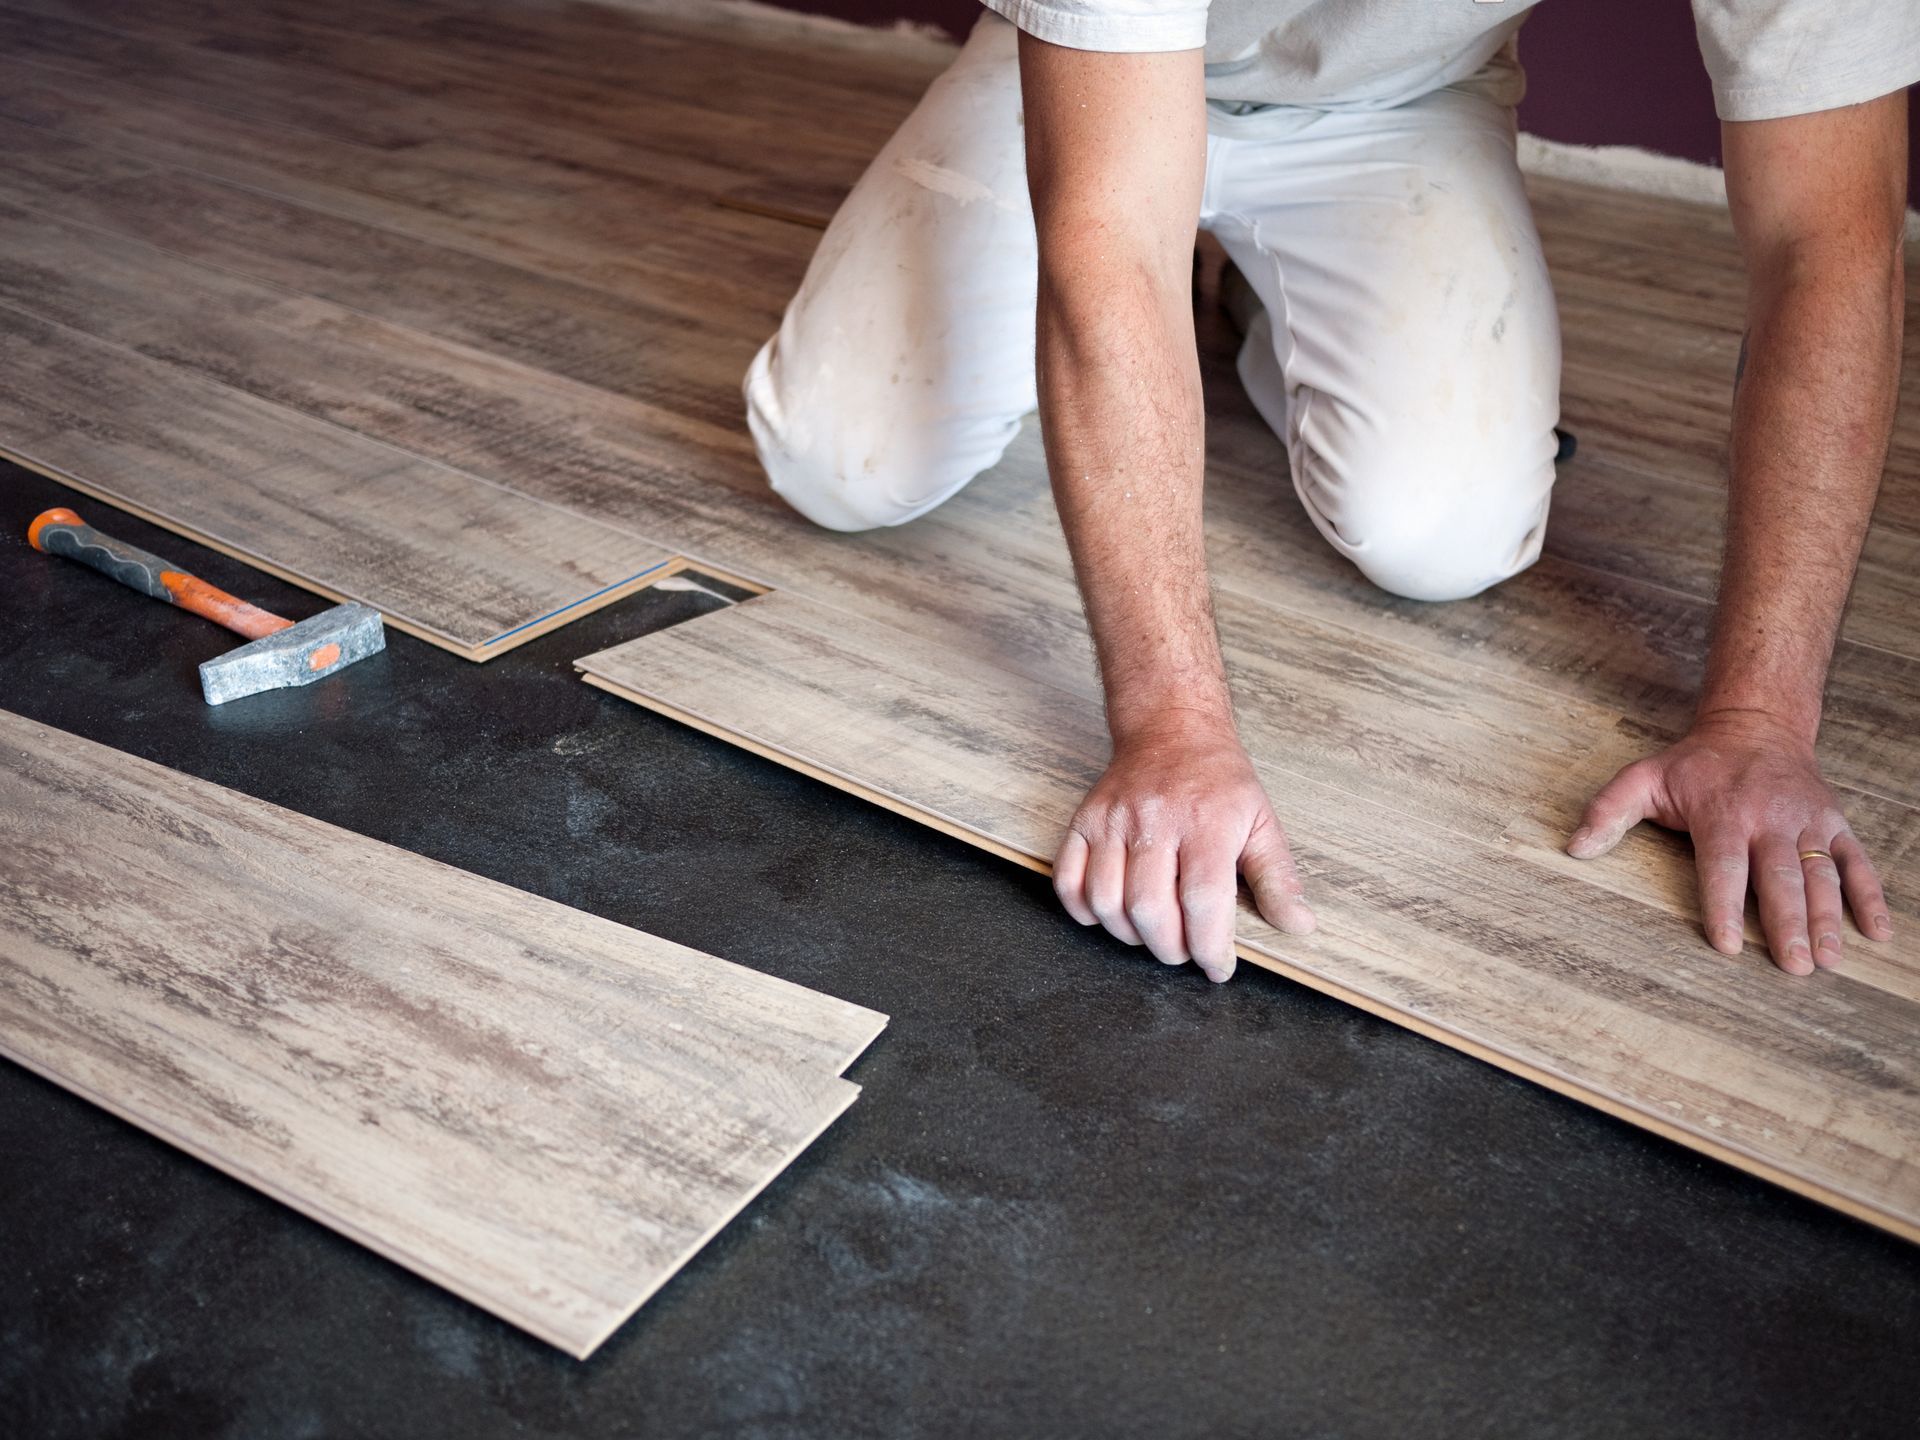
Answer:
(1819, 204)
(1155, 849)
(1749, 791)
(1116, 153)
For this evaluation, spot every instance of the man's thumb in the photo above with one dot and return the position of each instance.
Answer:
(1623, 802)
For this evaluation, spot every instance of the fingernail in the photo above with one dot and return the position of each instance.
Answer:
(1884, 925)
(1799, 959)
(1829, 941)
(1579, 838)
(1727, 939)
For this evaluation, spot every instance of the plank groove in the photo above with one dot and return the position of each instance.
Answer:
(541, 1111)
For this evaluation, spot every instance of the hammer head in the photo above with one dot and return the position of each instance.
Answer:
(297, 655)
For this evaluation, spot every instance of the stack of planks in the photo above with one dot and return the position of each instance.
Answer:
(516, 254)
(541, 1111)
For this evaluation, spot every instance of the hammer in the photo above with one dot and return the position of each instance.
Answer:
(282, 653)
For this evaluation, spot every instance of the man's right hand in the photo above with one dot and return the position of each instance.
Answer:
(1154, 851)
(1116, 158)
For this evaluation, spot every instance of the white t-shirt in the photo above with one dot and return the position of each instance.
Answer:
(1767, 58)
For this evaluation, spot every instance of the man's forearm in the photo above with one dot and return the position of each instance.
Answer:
(1116, 156)
(1819, 203)
(1121, 409)
(1813, 411)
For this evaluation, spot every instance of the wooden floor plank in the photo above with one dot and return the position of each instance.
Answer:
(648, 248)
(1668, 532)
(535, 242)
(544, 1112)
(465, 564)
(647, 85)
(1585, 987)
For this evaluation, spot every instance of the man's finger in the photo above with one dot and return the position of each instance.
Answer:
(1107, 888)
(1822, 877)
(1070, 878)
(1864, 895)
(1208, 892)
(1720, 856)
(1779, 884)
(1268, 865)
(1153, 899)
(1623, 802)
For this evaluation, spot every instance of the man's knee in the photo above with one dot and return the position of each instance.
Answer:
(859, 467)
(1426, 528)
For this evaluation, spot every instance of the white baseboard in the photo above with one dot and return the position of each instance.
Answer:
(1622, 167)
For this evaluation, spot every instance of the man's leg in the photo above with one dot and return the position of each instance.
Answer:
(1408, 352)
(905, 363)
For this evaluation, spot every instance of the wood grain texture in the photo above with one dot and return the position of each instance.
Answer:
(466, 564)
(544, 1112)
(535, 242)
(1601, 991)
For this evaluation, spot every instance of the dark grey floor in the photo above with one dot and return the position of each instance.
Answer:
(1081, 1194)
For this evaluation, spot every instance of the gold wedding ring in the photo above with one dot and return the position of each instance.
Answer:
(1815, 855)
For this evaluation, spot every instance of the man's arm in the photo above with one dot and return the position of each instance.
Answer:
(1116, 155)
(1819, 202)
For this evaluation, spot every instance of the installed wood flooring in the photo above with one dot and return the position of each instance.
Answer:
(529, 246)
(542, 1111)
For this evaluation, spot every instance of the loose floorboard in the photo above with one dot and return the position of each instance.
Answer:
(531, 245)
(1508, 952)
(543, 1112)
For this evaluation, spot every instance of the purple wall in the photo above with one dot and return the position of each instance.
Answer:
(1595, 77)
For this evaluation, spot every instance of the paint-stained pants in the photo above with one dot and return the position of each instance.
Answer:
(1408, 353)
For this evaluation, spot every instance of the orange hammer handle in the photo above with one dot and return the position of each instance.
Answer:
(61, 532)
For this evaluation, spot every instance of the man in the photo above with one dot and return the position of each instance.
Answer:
(1356, 160)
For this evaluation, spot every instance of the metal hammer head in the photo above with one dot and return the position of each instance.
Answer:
(297, 655)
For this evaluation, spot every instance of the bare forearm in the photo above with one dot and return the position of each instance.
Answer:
(1116, 153)
(1812, 415)
(1121, 408)
(1819, 204)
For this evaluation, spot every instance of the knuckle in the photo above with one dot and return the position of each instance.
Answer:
(1203, 901)
(1145, 915)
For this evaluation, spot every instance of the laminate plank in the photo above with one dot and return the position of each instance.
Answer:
(464, 564)
(1655, 867)
(652, 247)
(1613, 640)
(635, 83)
(641, 350)
(1669, 533)
(541, 1111)
(1584, 988)
(408, 251)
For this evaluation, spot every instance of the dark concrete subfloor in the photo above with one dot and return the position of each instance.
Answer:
(1081, 1195)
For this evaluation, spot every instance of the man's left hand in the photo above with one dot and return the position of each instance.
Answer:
(1748, 790)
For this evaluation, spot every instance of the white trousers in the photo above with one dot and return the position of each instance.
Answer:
(1408, 355)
